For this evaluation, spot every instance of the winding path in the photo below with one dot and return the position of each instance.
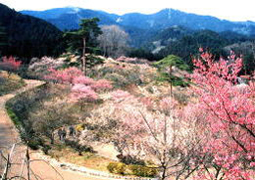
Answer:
(9, 136)
(42, 167)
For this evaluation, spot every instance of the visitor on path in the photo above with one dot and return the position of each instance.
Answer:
(63, 134)
(72, 131)
(60, 134)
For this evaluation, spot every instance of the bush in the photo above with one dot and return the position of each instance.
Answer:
(34, 142)
(181, 97)
(134, 78)
(2, 80)
(78, 147)
(9, 84)
(130, 160)
(138, 170)
(33, 145)
(118, 80)
(143, 171)
(80, 127)
(176, 81)
(117, 168)
(46, 149)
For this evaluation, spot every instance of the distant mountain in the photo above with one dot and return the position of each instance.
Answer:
(68, 18)
(27, 36)
(171, 34)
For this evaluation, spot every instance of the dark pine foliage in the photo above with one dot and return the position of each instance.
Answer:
(27, 36)
(188, 45)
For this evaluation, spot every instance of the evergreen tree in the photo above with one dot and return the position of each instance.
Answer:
(26, 37)
(84, 39)
(3, 39)
(168, 63)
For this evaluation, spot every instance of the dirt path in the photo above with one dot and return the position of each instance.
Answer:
(9, 135)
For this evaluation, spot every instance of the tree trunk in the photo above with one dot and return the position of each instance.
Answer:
(28, 164)
(171, 83)
(52, 138)
(164, 175)
(84, 57)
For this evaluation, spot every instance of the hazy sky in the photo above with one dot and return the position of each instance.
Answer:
(224, 9)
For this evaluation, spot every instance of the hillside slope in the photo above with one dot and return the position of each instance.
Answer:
(27, 36)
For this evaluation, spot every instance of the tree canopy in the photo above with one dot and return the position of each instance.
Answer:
(84, 39)
(27, 37)
(89, 30)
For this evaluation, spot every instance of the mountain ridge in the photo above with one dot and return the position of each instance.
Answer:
(167, 12)
(140, 26)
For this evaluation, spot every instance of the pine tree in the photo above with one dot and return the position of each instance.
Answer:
(3, 39)
(84, 39)
(168, 63)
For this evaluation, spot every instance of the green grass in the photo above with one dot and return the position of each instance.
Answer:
(13, 117)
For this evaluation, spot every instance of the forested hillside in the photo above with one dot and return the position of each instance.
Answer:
(145, 26)
(27, 36)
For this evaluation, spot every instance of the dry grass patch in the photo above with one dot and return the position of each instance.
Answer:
(10, 82)
(88, 159)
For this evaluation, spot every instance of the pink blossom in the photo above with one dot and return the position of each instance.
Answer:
(65, 76)
(83, 80)
(229, 112)
(119, 95)
(10, 64)
(102, 85)
(81, 91)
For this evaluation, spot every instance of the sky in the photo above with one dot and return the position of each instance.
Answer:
(224, 9)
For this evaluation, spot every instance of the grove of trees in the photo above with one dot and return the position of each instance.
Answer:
(210, 136)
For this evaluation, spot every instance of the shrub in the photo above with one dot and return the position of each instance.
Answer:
(143, 171)
(38, 68)
(2, 80)
(138, 170)
(80, 127)
(118, 80)
(181, 97)
(9, 84)
(46, 149)
(130, 160)
(117, 168)
(9, 64)
(34, 144)
(102, 85)
(78, 147)
(176, 81)
(134, 78)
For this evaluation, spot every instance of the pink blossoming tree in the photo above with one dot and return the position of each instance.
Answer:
(149, 129)
(9, 64)
(82, 87)
(230, 117)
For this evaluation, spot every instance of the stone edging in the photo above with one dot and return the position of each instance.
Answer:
(89, 172)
